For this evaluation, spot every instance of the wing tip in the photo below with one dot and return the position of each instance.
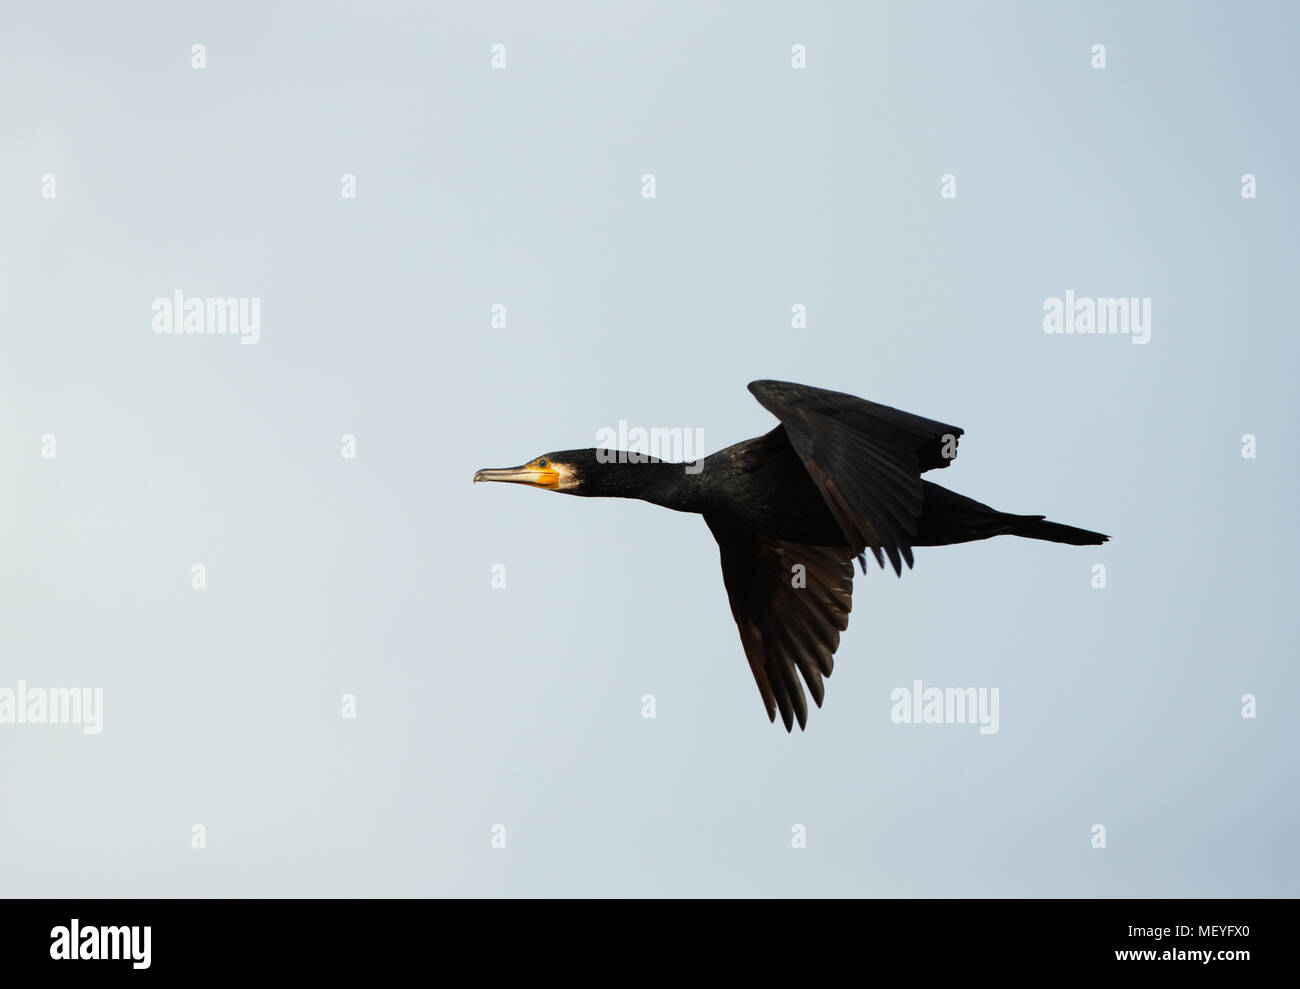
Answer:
(764, 390)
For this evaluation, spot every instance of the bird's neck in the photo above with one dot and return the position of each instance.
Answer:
(671, 485)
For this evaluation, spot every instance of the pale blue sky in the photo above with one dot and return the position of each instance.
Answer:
(522, 706)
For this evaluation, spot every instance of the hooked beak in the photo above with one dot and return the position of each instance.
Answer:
(540, 477)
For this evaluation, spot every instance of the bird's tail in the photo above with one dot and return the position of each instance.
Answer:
(1037, 527)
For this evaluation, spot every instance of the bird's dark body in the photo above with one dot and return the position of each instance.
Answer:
(761, 484)
(792, 509)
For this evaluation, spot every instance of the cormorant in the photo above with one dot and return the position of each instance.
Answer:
(792, 509)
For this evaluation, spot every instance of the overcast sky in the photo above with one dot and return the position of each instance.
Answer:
(515, 715)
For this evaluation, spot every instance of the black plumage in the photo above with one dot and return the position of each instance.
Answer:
(792, 509)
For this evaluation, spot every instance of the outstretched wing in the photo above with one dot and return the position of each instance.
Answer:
(866, 459)
(790, 602)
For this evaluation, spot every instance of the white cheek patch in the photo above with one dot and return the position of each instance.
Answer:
(565, 477)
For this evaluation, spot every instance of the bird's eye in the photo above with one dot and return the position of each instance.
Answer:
(542, 462)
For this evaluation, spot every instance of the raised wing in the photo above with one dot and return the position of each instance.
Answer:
(866, 459)
(790, 602)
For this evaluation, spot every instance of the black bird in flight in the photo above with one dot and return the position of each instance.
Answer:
(792, 509)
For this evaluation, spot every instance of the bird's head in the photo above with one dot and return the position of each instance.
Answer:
(592, 473)
(562, 471)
